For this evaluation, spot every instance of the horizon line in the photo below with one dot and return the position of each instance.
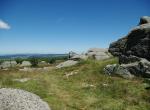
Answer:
(1, 54)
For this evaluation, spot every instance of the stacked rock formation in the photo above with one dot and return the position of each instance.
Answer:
(133, 50)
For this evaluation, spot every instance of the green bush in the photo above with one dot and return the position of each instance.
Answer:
(34, 61)
(18, 60)
(51, 60)
(1, 62)
(63, 58)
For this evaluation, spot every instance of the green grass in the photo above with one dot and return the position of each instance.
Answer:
(89, 89)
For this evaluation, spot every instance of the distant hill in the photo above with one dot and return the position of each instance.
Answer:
(12, 56)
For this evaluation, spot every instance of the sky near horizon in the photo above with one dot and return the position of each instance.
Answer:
(59, 26)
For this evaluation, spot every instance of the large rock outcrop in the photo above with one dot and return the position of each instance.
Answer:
(98, 53)
(135, 45)
(133, 50)
(94, 53)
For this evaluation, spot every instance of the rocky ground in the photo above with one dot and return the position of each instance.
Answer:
(83, 86)
(93, 53)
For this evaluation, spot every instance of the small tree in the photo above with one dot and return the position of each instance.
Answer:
(51, 60)
(18, 60)
(34, 61)
(1, 62)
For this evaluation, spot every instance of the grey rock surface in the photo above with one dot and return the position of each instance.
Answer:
(95, 53)
(110, 69)
(48, 68)
(8, 64)
(25, 63)
(71, 54)
(140, 68)
(67, 63)
(98, 53)
(16, 99)
(43, 63)
(118, 70)
(144, 20)
(79, 57)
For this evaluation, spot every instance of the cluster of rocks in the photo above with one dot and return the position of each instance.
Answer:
(9, 64)
(16, 99)
(133, 51)
(94, 53)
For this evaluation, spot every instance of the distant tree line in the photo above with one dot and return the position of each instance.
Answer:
(35, 60)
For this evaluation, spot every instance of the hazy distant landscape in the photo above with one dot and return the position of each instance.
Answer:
(13, 56)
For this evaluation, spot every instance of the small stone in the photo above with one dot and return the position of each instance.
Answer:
(22, 80)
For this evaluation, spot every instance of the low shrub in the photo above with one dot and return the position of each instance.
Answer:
(34, 61)
(51, 60)
(19, 60)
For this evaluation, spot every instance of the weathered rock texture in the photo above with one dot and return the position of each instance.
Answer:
(79, 57)
(98, 53)
(119, 70)
(133, 50)
(25, 63)
(135, 45)
(67, 63)
(72, 54)
(16, 99)
(95, 53)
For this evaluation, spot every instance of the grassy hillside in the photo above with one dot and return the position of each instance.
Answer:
(82, 87)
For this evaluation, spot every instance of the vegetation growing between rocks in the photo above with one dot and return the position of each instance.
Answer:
(51, 60)
(88, 89)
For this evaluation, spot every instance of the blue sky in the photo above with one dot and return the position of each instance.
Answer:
(59, 26)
